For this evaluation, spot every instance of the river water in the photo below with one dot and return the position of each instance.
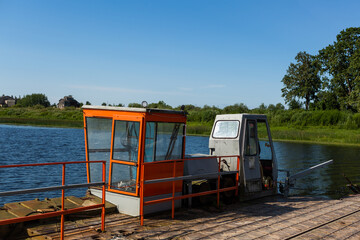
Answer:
(24, 144)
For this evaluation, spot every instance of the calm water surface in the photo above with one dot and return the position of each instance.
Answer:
(23, 144)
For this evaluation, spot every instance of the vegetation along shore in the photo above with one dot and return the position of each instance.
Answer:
(319, 126)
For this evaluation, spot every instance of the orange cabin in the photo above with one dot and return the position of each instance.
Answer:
(128, 139)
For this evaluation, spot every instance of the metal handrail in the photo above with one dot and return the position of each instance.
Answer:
(46, 189)
(188, 177)
(62, 187)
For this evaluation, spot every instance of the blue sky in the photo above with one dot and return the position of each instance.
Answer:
(181, 52)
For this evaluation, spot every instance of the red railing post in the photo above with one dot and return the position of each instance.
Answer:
(62, 204)
(237, 176)
(142, 185)
(174, 179)
(61, 212)
(173, 192)
(103, 197)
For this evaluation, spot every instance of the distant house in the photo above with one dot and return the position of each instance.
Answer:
(7, 101)
(68, 101)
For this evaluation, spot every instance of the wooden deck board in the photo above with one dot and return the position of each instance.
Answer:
(267, 218)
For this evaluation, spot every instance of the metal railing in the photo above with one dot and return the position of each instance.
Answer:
(61, 187)
(174, 178)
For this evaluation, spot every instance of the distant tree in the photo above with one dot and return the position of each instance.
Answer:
(236, 108)
(274, 108)
(87, 103)
(294, 104)
(188, 107)
(135, 105)
(160, 105)
(262, 107)
(208, 115)
(326, 100)
(279, 106)
(302, 80)
(341, 61)
(120, 105)
(271, 108)
(33, 99)
(103, 104)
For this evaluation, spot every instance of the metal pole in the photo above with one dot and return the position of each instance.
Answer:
(62, 203)
(142, 185)
(218, 185)
(103, 197)
(237, 176)
(173, 193)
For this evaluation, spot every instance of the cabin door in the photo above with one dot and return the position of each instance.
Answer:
(251, 157)
(125, 155)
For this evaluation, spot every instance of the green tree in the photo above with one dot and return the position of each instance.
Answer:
(302, 80)
(341, 61)
(236, 108)
(135, 105)
(189, 107)
(33, 99)
(326, 100)
(279, 106)
(160, 105)
(294, 104)
(274, 108)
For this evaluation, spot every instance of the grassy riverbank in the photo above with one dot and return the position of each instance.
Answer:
(40, 116)
(330, 127)
(323, 135)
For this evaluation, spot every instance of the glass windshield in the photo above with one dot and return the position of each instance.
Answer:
(123, 177)
(226, 129)
(126, 141)
(163, 141)
(98, 132)
(264, 142)
(250, 138)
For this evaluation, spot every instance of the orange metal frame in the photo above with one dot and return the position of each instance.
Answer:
(135, 117)
(173, 198)
(61, 212)
(142, 118)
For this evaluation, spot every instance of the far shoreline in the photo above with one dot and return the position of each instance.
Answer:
(58, 123)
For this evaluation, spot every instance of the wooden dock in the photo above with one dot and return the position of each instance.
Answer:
(267, 218)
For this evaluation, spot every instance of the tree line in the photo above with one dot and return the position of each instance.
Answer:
(329, 79)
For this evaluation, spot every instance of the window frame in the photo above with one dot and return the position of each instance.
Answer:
(222, 120)
(131, 118)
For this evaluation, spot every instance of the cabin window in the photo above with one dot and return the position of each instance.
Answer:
(163, 141)
(264, 142)
(250, 138)
(226, 129)
(123, 177)
(150, 138)
(126, 141)
(98, 132)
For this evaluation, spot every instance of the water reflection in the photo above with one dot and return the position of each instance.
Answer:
(327, 181)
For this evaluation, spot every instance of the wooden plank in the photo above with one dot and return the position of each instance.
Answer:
(268, 218)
